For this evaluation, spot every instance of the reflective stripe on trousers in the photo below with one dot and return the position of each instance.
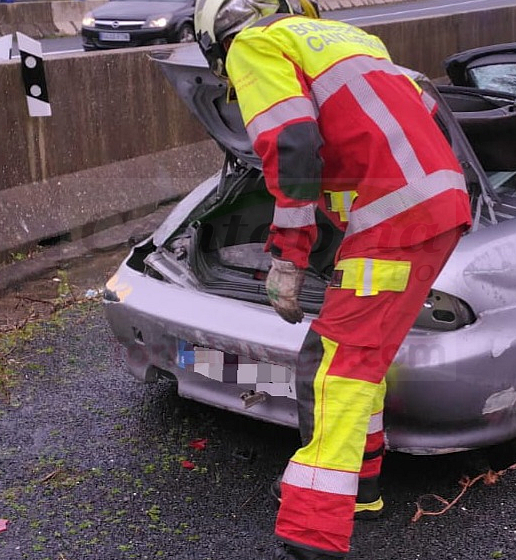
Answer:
(340, 385)
(368, 277)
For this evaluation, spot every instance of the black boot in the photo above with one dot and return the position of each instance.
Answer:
(288, 552)
(369, 504)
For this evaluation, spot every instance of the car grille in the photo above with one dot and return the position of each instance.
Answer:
(119, 25)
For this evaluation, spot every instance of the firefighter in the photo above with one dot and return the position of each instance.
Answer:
(341, 130)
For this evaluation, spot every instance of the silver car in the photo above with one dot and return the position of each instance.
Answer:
(189, 302)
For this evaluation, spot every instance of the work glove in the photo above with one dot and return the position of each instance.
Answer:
(283, 285)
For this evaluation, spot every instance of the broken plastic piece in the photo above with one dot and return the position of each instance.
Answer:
(251, 397)
(91, 293)
(198, 443)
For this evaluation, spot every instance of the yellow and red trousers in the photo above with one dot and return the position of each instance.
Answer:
(370, 305)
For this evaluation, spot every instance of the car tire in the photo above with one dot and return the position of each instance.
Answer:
(186, 33)
(501, 456)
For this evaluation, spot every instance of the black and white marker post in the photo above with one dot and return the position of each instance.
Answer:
(33, 74)
(6, 43)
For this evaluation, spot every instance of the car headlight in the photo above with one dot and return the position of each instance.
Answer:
(159, 22)
(444, 312)
(88, 20)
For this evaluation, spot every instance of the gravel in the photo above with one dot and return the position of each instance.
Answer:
(93, 467)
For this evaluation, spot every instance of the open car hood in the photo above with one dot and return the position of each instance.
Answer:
(205, 95)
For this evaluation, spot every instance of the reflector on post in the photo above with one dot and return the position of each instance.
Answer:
(33, 74)
(6, 44)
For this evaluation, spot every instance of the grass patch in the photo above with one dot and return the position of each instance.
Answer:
(15, 336)
(10, 367)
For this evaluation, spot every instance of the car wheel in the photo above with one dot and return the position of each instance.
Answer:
(501, 456)
(186, 33)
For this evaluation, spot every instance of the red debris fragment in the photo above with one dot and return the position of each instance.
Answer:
(188, 465)
(198, 443)
(3, 524)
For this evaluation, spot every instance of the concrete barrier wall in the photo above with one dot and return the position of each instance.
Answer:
(106, 107)
(111, 107)
(119, 142)
(44, 19)
(423, 44)
(76, 205)
(34, 19)
(67, 16)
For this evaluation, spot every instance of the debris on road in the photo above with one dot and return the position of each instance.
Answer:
(198, 443)
(92, 293)
(489, 478)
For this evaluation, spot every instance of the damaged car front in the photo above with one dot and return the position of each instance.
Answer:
(190, 302)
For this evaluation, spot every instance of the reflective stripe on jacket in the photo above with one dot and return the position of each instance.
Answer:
(327, 111)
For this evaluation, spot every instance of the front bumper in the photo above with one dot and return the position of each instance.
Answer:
(446, 391)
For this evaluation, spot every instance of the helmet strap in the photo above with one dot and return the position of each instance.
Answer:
(309, 9)
(214, 52)
(284, 7)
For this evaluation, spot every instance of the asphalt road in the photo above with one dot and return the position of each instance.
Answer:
(412, 9)
(93, 469)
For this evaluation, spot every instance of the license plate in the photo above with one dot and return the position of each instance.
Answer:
(273, 379)
(125, 37)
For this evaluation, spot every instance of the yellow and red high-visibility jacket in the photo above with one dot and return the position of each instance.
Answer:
(338, 125)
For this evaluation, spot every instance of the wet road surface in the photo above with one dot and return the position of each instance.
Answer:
(93, 468)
